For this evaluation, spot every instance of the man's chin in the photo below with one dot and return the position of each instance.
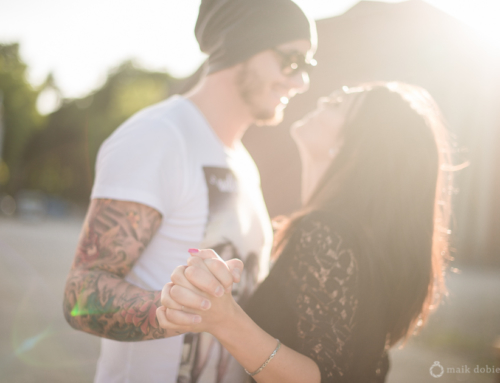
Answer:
(269, 117)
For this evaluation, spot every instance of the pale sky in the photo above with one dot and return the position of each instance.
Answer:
(79, 41)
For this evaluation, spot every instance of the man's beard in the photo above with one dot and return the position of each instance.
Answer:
(251, 87)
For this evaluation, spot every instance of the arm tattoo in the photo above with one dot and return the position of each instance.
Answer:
(97, 299)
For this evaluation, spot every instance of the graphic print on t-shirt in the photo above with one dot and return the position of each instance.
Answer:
(229, 233)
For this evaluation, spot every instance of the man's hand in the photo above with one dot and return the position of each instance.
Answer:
(97, 299)
(199, 297)
(216, 266)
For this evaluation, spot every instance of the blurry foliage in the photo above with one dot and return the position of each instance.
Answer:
(20, 116)
(60, 159)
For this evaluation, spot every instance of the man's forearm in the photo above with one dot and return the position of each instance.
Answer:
(97, 299)
(106, 305)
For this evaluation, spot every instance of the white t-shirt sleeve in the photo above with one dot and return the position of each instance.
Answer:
(142, 162)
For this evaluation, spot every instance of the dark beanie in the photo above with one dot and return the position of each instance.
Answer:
(232, 31)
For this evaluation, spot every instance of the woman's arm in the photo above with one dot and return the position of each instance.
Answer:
(225, 319)
(251, 346)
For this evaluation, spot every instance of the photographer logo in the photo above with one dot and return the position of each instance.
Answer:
(436, 370)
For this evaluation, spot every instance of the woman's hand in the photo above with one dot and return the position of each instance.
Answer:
(199, 297)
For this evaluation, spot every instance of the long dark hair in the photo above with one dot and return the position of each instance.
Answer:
(389, 181)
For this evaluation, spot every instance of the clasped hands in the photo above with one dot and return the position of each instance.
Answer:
(199, 298)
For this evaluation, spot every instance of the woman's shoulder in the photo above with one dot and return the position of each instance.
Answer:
(320, 245)
(327, 220)
(322, 229)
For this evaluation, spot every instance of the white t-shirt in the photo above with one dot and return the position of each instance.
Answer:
(169, 158)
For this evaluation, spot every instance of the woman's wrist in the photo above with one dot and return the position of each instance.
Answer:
(232, 322)
(245, 340)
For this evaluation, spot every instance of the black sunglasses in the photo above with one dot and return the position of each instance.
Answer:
(294, 62)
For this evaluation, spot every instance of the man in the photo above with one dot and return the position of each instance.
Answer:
(176, 176)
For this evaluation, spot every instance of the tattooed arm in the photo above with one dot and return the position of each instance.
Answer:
(97, 299)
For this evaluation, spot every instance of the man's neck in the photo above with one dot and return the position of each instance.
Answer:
(218, 99)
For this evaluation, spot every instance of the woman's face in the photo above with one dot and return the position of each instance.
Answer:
(318, 137)
(317, 134)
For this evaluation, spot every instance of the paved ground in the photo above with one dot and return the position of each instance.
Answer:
(36, 344)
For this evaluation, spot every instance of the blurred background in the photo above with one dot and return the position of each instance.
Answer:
(71, 72)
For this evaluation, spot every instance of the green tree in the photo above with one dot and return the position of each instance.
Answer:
(20, 116)
(60, 159)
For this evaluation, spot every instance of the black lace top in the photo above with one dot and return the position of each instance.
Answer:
(311, 302)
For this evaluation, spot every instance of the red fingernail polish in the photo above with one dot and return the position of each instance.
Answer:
(193, 251)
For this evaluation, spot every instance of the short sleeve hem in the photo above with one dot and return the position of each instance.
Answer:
(120, 194)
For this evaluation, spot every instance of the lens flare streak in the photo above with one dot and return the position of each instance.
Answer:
(30, 343)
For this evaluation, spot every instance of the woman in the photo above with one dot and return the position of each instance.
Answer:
(359, 267)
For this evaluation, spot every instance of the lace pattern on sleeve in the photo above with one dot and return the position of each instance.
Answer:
(321, 286)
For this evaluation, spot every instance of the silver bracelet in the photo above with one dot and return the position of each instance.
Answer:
(266, 362)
